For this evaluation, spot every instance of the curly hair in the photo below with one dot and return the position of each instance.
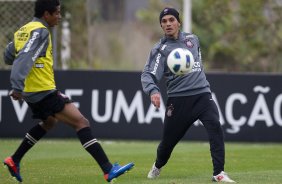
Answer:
(45, 5)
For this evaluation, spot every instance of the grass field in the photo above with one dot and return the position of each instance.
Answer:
(54, 161)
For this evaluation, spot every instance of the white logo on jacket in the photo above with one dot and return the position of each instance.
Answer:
(30, 42)
(157, 63)
(158, 60)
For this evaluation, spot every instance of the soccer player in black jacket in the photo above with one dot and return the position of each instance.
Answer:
(189, 96)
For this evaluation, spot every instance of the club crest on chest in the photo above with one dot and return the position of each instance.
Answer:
(189, 43)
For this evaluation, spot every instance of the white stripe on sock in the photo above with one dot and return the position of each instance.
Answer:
(29, 137)
(89, 143)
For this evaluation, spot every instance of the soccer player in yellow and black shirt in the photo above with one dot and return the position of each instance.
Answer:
(32, 79)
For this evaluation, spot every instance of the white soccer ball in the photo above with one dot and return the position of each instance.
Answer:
(180, 61)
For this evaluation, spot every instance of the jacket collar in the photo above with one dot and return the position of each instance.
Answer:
(35, 19)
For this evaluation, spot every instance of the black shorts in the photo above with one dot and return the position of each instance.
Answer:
(48, 106)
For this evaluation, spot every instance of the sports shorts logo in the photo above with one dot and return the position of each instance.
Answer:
(170, 109)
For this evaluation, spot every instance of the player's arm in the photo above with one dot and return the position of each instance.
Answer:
(151, 75)
(9, 54)
(34, 47)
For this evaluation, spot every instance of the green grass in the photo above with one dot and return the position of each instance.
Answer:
(64, 161)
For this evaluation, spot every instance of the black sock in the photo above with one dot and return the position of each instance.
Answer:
(30, 139)
(94, 148)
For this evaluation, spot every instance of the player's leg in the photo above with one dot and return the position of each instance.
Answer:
(176, 125)
(172, 134)
(210, 119)
(30, 139)
(72, 116)
(33, 136)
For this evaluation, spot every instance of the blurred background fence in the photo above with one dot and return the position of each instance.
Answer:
(13, 14)
(235, 35)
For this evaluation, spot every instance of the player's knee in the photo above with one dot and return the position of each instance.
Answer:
(82, 123)
(85, 122)
(48, 125)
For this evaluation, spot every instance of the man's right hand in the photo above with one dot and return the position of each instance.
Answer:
(156, 99)
(15, 95)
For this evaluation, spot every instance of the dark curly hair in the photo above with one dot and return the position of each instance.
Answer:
(45, 5)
